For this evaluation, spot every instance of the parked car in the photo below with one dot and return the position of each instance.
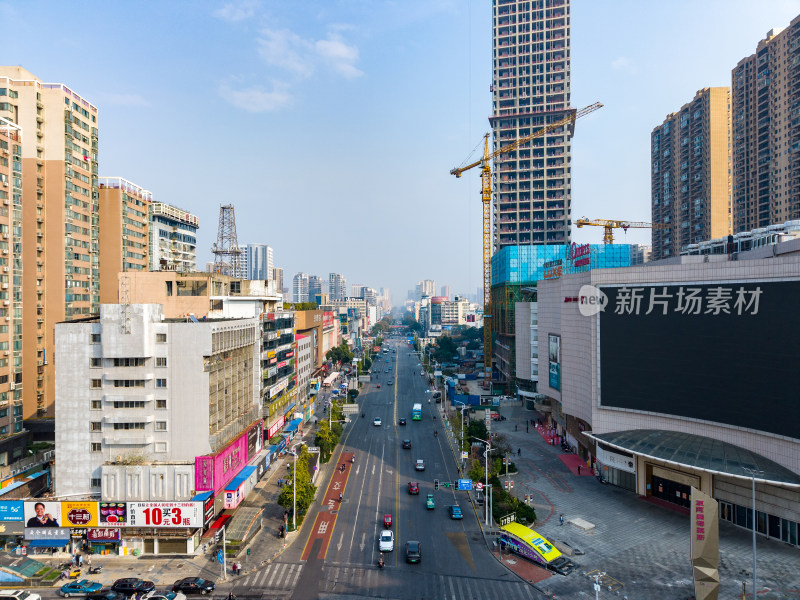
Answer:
(430, 503)
(133, 585)
(19, 595)
(386, 541)
(193, 585)
(419, 465)
(455, 512)
(80, 588)
(413, 551)
(413, 487)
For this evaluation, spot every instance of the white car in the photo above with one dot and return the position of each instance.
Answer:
(420, 466)
(19, 595)
(377, 421)
(386, 541)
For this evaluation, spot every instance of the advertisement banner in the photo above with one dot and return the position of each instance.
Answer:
(255, 438)
(12, 510)
(278, 388)
(165, 514)
(103, 534)
(43, 514)
(215, 471)
(113, 514)
(47, 533)
(79, 514)
(705, 545)
(555, 361)
(276, 426)
(12, 528)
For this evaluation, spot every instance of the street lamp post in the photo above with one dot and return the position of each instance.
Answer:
(753, 472)
(486, 474)
(293, 452)
(461, 448)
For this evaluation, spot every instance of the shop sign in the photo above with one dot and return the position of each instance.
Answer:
(553, 269)
(12, 510)
(276, 426)
(277, 388)
(580, 254)
(47, 533)
(103, 534)
(282, 364)
(12, 528)
(327, 319)
(79, 514)
(112, 514)
(165, 514)
(615, 460)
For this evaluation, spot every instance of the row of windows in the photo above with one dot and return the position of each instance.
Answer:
(161, 338)
(124, 383)
(160, 404)
(160, 448)
(161, 361)
(159, 426)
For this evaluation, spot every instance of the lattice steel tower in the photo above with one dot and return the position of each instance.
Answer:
(227, 254)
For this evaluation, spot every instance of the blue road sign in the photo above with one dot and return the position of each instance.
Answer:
(219, 556)
(465, 484)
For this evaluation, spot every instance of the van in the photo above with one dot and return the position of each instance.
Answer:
(479, 497)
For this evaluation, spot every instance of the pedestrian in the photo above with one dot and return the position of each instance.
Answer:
(233, 568)
(80, 560)
(561, 520)
(579, 469)
(515, 426)
(89, 561)
(526, 427)
(519, 451)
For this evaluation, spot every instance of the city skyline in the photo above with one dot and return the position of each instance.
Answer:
(263, 65)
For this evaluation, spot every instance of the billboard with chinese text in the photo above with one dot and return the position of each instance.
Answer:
(703, 351)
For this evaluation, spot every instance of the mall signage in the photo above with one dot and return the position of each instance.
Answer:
(103, 534)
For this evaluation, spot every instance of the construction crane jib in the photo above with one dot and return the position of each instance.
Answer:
(486, 198)
(609, 225)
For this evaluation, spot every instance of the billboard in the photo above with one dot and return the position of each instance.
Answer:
(42, 514)
(165, 514)
(702, 351)
(12, 510)
(705, 545)
(554, 361)
(212, 472)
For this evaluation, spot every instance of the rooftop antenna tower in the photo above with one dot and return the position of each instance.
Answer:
(227, 254)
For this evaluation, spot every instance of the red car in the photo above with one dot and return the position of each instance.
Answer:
(413, 487)
(379, 386)
(387, 521)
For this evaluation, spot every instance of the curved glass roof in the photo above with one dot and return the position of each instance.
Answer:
(699, 452)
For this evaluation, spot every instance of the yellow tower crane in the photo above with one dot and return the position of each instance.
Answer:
(486, 197)
(609, 225)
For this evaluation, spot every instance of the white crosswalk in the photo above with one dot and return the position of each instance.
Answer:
(275, 576)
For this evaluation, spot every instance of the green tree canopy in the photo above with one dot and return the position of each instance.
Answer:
(340, 353)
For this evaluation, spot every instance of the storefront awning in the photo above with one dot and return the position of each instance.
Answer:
(699, 452)
(293, 425)
(54, 543)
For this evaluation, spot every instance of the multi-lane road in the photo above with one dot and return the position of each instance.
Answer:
(337, 553)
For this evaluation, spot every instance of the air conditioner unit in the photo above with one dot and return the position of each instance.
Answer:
(5, 302)
(5, 352)
(5, 269)
(12, 385)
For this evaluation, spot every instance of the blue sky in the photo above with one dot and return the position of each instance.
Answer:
(331, 125)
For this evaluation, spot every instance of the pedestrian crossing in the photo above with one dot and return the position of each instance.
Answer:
(275, 576)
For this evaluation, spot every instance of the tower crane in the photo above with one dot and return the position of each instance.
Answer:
(609, 225)
(486, 197)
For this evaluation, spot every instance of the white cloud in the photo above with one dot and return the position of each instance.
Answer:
(130, 100)
(286, 50)
(624, 64)
(339, 55)
(237, 11)
(257, 99)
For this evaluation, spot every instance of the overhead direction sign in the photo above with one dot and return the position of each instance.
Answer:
(465, 484)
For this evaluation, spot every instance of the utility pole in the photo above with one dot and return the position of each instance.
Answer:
(224, 558)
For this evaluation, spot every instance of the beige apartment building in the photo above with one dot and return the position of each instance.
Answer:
(60, 280)
(123, 234)
(766, 163)
(691, 173)
(10, 278)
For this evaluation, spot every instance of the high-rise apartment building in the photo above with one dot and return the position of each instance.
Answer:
(277, 275)
(691, 173)
(314, 287)
(530, 90)
(123, 233)
(446, 292)
(300, 287)
(766, 132)
(258, 258)
(11, 283)
(337, 286)
(173, 239)
(60, 281)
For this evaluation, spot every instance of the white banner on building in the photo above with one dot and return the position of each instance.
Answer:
(616, 461)
(165, 514)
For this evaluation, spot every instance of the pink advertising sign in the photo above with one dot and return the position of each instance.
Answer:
(214, 471)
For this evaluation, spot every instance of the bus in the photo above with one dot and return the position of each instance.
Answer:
(524, 541)
(416, 412)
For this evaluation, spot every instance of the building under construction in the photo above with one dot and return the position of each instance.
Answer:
(515, 271)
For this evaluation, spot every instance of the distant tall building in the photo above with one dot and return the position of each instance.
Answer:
(530, 90)
(300, 287)
(337, 286)
(426, 287)
(356, 290)
(277, 275)
(766, 130)
(173, 238)
(258, 258)
(123, 234)
(446, 292)
(314, 287)
(58, 151)
(691, 173)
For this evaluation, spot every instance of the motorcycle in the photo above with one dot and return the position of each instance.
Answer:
(362, 415)
(435, 433)
(380, 562)
(96, 570)
(353, 459)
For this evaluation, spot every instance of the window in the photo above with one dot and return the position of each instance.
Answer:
(97, 426)
(96, 383)
(129, 404)
(161, 338)
(95, 338)
(97, 362)
(4, 430)
(128, 383)
(96, 446)
(126, 426)
(96, 483)
(161, 383)
(4, 413)
(161, 446)
(161, 361)
(161, 404)
(97, 404)
(128, 362)
(161, 425)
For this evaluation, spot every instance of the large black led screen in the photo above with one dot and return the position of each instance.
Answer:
(728, 353)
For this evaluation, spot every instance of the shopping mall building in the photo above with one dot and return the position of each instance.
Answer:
(679, 374)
